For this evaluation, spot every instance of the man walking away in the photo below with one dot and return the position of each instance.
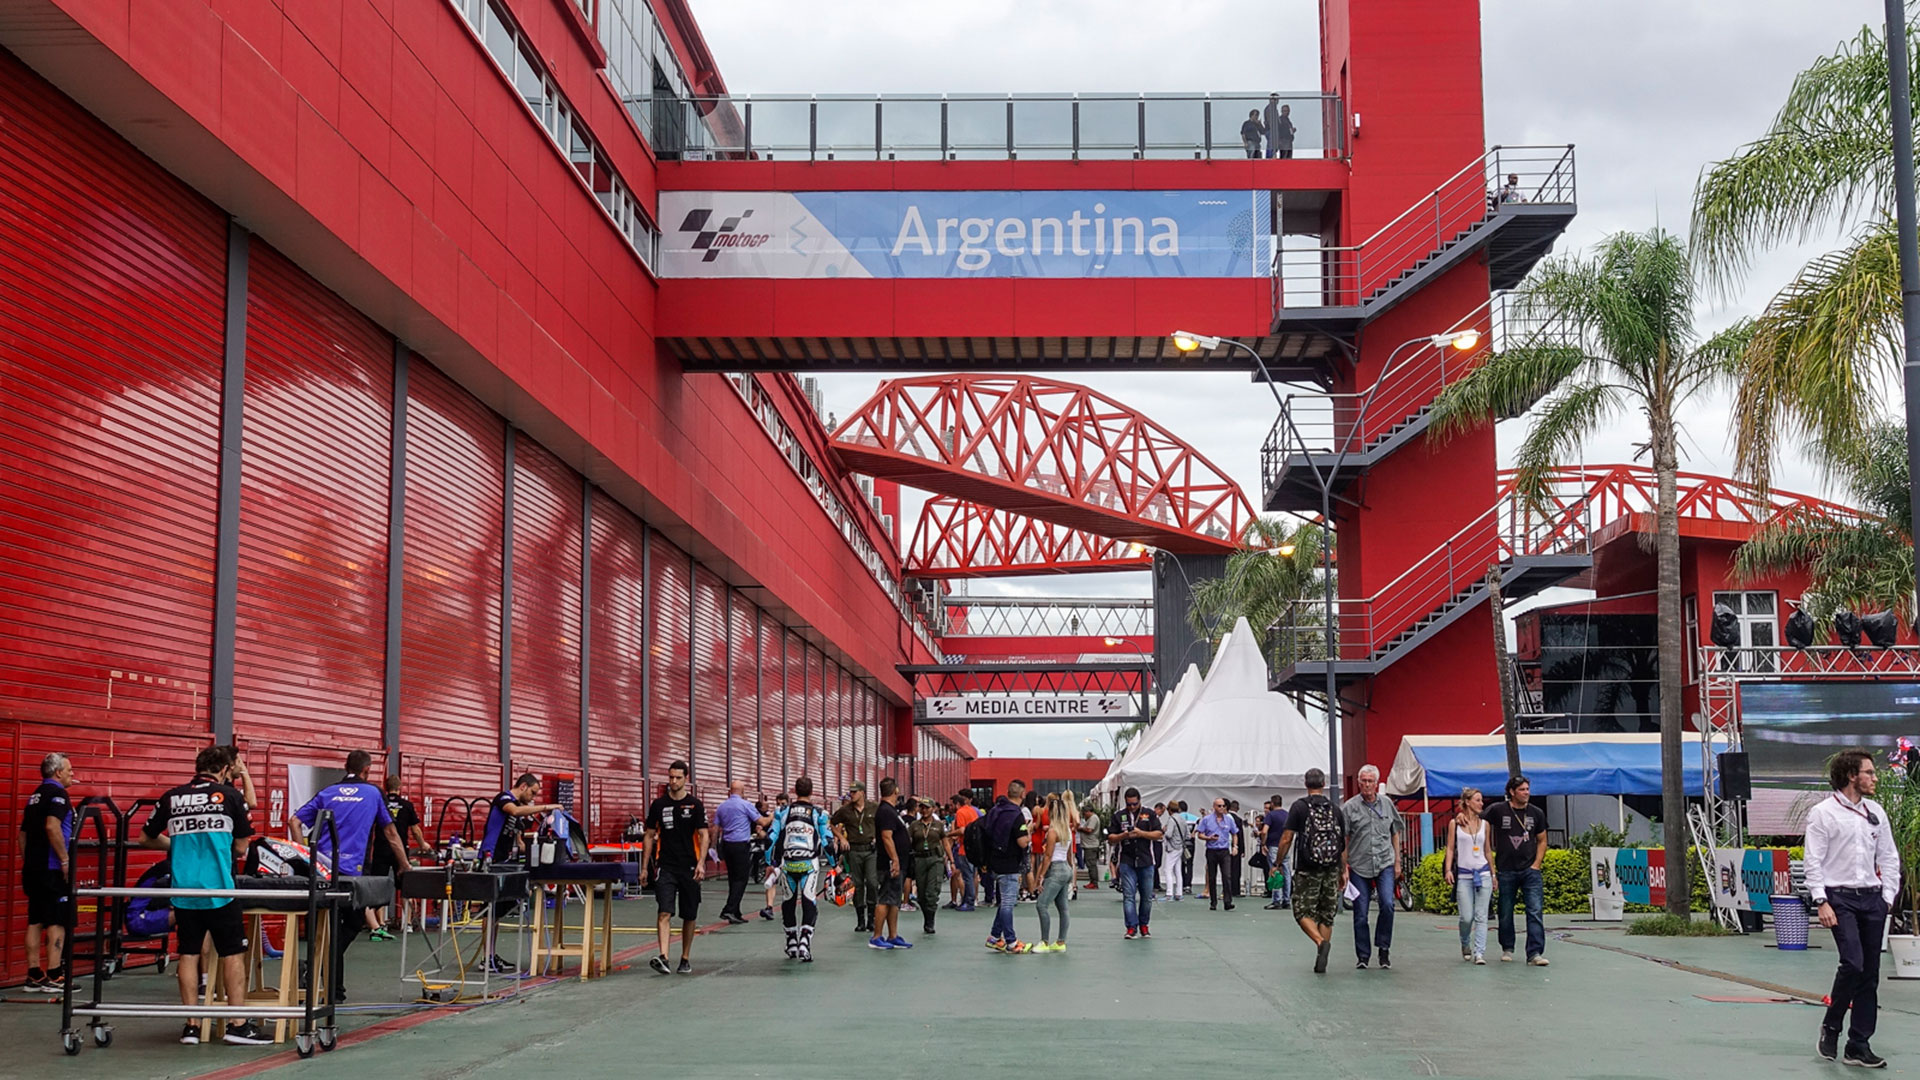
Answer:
(798, 845)
(676, 844)
(1218, 830)
(1518, 831)
(735, 820)
(360, 818)
(1853, 872)
(961, 885)
(46, 873)
(1006, 827)
(1280, 129)
(853, 828)
(1374, 834)
(1271, 826)
(1133, 832)
(1174, 838)
(932, 860)
(890, 829)
(1089, 833)
(1320, 866)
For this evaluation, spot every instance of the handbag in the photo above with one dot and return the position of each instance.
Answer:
(1258, 861)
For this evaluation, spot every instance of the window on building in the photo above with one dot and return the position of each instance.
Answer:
(1758, 613)
(643, 69)
(1691, 654)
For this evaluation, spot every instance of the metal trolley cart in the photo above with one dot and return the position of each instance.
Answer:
(318, 1024)
(450, 889)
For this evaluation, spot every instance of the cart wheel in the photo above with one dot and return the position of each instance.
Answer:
(103, 1035)
(70, 1042)
(302, 1045)
(327, 1037)
(160, 965)
(110, 967)
(1403, 891)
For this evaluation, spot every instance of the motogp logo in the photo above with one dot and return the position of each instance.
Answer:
(726, 236)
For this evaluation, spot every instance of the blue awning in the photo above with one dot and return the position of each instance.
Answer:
(1439, 766)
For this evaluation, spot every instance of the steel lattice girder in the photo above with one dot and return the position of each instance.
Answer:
(1056, 451)
(955, 538)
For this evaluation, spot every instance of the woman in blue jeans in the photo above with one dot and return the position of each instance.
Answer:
(1471, 874)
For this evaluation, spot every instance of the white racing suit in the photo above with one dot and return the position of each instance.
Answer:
(795, 863)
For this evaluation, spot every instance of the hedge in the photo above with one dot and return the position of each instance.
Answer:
(1566, 884)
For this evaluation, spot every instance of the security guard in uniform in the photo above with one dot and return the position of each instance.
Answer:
(931, 863)
(853, 828)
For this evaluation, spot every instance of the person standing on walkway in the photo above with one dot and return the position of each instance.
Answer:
(677, 846)
(733, 824)
(1278, 121)
(1089, 838)
(1517, 828)
(1250, 133)
(1374, 834)
(1173, 836)
(853, 828)
(932, 860)
(1056, 883)
(1320, 866)
(892, 843)
(1218, 830)
(46, 873)
(1853, 872)
(1188, 819)
(1006, 827)
(796, 848)
(1236, 850)
(1134, 832)
(1470, 874)
(961, 885)
(360, 820)
(1271, 826)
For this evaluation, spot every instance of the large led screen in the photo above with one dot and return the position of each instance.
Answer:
(1791, 729)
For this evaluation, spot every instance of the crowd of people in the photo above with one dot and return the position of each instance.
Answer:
(1274, 125)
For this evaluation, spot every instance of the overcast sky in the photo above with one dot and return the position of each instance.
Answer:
(1650, 92)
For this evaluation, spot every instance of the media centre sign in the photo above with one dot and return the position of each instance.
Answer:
(1030, 708)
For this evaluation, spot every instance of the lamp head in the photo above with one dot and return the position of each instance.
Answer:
(1111, 642)
(1188, 341)
(1459, 339)
(1285, 551)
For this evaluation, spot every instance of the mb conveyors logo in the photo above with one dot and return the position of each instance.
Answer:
(712, 241)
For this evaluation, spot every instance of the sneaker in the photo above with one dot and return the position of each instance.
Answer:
(1466, 957)
(36, 982)
(879, 943)
(190, 1036)
(1506, 957)
(1229, 905)
(1829, 1045)
(1019, 948)
(1384, 962)
(379, 933)
(1537, 961)
(997, 945)
(247, 1034)
(899, 942)
(659, 964)
(1274, 906)
(1480, 959)
(909, 906)
(685, 968)
(806, 956)
(497, 966)
(54, 983)
(964, 907)
(1132, 933)
(1145, 931)
(1320, 957)
(766, 914)
(1059, 946)
(1360, 965)
(1864, 1057)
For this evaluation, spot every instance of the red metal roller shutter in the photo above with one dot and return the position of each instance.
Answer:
(833, 754)
(709, 684)
(310, 651)
(670, 649)
(773, 704)
(794, 719)
(613, 713)
(112, 286)
(545, 715)
(618, 796)
(817, 721)
(744, 724)
(450, 639)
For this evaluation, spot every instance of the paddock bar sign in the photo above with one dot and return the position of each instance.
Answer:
(1030, 708)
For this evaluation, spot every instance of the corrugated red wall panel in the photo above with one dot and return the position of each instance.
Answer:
(794, 719)
(773, 703)
(450, 641)
(670, 647)
(617, 796)
(613, 706)
(743, 726)
(816, 720)
(710, 685)
(310, 638)
(544, 729)
(110, 422)
(833, 756)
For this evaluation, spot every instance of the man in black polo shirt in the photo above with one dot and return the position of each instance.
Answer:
(406, 821)
(1134, 832)
(677, 847)
(46, 830)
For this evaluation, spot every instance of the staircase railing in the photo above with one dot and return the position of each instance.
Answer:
(1347, 276)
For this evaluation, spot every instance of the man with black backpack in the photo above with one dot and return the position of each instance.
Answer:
(796, 843)
(1320, 866)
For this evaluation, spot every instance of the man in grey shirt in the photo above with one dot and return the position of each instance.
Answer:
(1279, 126)
(1374, 832)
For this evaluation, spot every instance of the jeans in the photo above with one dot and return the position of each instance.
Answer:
(965, 869)
(1007, 886)
(1136, 894)
(1252, 143)
(1379, 887)
(1274, 863)
(737, 855)
(1056, 890)
(1472, 892)
(1862, 915)
(1513, 883)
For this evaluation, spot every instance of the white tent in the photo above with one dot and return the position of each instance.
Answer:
(1232, 737)
(1170, 709)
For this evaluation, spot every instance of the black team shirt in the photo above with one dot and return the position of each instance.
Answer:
(887, 819)
(677, 820)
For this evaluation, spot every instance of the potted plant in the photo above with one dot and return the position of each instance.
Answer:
(1899, 794)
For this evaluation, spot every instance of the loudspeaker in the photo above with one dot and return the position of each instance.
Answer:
(1736, 781)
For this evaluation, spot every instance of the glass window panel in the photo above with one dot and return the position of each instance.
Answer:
(977, 127)
(527, 77)
(499, 39)
(1176, 127)
(1760, 633)
(780, 127)
(1759, 603)
(910, 127)
(1109, 127)
(846, 127)
(1043, 127)
(1730, 599)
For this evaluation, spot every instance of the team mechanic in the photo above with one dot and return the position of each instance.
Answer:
(359, 816)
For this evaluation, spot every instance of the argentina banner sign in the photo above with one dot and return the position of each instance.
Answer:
(965, 234)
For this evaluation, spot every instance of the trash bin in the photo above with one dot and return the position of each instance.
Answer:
(1789, 922)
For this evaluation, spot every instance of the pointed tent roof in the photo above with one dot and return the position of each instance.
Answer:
(1171, 707)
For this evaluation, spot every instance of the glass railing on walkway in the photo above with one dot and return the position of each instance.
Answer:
(996, 127)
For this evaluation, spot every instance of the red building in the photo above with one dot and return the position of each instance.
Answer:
(992, 774)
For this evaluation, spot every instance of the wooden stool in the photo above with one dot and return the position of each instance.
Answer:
(594, 947)
(288, 992)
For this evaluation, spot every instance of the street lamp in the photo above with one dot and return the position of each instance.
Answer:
(1145, 663)
(1187, 341)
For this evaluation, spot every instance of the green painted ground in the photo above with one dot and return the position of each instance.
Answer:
(1211, 990)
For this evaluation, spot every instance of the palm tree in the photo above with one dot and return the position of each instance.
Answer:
(1863, 566)
(1273, 577)
(1630, 345)
(1828, 346)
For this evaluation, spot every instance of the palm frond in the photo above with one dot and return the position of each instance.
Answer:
(1558, 430)
(1508, 384)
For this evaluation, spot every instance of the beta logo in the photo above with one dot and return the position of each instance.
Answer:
(727, 235)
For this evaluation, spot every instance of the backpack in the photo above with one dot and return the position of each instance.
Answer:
(973, 841)
(1321, 837)
(799, 837)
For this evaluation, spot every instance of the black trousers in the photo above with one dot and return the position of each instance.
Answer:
(1862, 915)
(1220, 870)
(737, 854)
(1233, 873)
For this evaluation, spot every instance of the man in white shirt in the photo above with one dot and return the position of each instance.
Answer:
(1853, 872)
